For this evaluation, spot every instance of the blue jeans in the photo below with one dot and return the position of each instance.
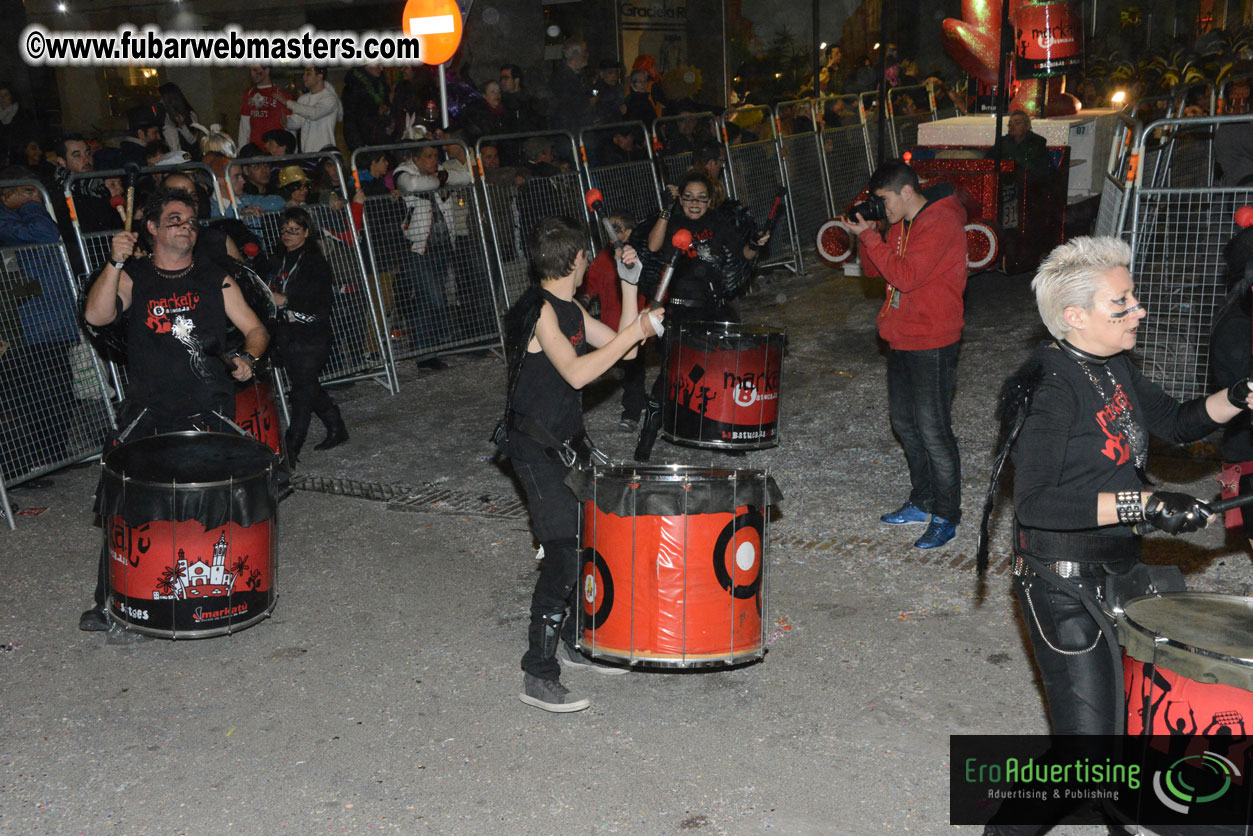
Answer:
(421, 297)
(920, 403)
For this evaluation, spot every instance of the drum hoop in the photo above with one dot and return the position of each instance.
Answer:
(674, 473)
(732, 329)
(1127, 622)
(234, 480)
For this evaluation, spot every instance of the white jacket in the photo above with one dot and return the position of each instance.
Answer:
(421, 192)
(315, 116)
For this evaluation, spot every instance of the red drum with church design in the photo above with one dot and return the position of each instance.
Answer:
(673, 567)
(722, 385)
(191, 527)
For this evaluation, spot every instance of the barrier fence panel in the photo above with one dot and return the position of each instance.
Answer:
(631, 186)
(514, 209)
(1233, 95)
(676, 137)
(756, 170)
(844, 142)
(869, 103)
(803, 156)
(360, 349)
(54, 403)
(1177, 240)
(430, 255)
(908, 107)
(1119, 181)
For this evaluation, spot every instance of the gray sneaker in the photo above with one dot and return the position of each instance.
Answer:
(550, 695)
(571, 659)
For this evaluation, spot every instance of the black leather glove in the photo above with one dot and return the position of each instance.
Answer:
(1237, 393)
(1176, 513)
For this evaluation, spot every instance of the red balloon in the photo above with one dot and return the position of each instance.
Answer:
(1244, 216)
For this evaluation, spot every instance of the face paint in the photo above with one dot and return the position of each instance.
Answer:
(1131, 310)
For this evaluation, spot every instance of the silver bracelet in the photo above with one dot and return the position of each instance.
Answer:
(1129, 506)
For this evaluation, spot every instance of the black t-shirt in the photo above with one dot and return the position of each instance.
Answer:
(176, 332)
(717, 255)
(542, 393)
(1071, 447)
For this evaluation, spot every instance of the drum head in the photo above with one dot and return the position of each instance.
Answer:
(1207, 637)
(188, 459)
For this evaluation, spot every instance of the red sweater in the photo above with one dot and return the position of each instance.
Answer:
(925, 272)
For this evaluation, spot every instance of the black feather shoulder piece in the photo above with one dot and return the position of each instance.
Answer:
(1012, 407)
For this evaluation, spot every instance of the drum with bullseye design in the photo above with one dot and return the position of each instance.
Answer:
(673, 565)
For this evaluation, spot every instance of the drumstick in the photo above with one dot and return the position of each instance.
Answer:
(682, 240)
(596, 202)
(132, 171)
(1220, 505)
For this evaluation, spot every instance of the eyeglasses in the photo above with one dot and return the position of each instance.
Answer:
(693, 198)
(294, 230)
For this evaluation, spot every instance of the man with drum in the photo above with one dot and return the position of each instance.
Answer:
(923, 258)
(555, 348)
(174, 310)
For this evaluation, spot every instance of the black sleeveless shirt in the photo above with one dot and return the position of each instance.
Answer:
(542, 393)
(176, 330)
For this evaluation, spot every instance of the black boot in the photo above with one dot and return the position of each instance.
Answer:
(336, 432)
(648, 432)
(294, 440)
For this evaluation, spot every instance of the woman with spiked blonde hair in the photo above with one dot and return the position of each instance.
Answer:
(1077, 417)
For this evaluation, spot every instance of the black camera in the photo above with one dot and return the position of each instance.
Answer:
(872, 209)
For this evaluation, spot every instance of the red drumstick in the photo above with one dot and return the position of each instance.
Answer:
(596, 203)
(682, 241)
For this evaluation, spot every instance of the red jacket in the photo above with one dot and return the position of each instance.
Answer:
(926, 274)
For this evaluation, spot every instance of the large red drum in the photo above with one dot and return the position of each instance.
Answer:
(673, 565)
(256, 412)
(191, 527)
(722, 385)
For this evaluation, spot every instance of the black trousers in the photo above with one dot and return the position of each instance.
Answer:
(304, 350)
(554, 513)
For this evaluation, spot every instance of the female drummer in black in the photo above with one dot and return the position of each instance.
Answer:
(706, 279)
(301, 281)
(1079, 485)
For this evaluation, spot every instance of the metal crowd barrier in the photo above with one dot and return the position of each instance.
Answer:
(436, 285)
(674, 145)
(846, 148)
(54, 402)
(1120, 175)
(1233, 95)
(908, 107)
(513, 210)
(868, 103)
(360, 349)
(632, 187)
(755, 171)
(806, 169)
(1177, 240)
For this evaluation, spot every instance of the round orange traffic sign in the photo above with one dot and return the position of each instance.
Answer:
(437, 24)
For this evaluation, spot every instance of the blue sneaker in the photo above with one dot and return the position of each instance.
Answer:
(937, 534)
(907, 513)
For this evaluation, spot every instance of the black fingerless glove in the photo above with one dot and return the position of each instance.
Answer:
(1175, 513)
(1237, 394)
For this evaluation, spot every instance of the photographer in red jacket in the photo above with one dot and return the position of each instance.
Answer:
(923, 258)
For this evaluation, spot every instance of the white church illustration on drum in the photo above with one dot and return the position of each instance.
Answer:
(200, 579)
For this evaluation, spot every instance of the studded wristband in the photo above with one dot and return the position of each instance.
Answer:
(1129, 506)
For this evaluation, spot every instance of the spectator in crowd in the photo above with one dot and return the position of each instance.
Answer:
(1233, 151)
(293, 186)
(609, 102)
(486, 116)
(251, 184)
(35, 159)
(262, 108)
(537, 152)
(217, 142)
(603, 292)
(866, 78)
(172, 385)
(1026, 148)
(571, 104)
(639, 103)
(620, 147)
(91, 196)
(409, 98)
(367, 107)
(474, 316)
(145, 129)
(831, 76)
(374, 176)
(300, 279)
(428, 231)
(923, 260)
(316, 113)
(17, 124)
(835, 114)
(494, 173)
(180, 127)
(279, 143)
(258, 177)
(38, 360)
(522, 114)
